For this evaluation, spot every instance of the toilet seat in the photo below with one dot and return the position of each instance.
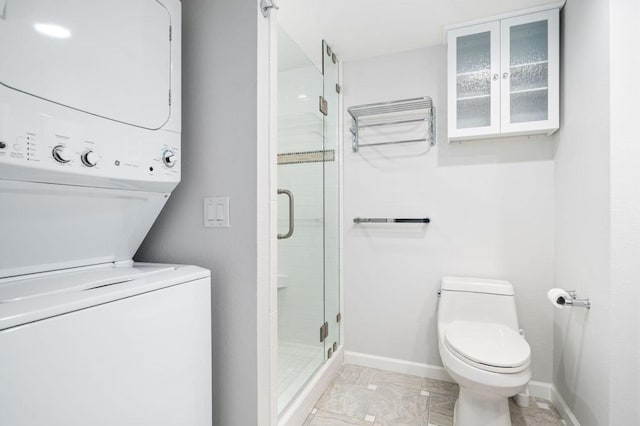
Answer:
(488, 346)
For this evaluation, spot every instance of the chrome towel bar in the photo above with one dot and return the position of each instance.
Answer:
(390, 220)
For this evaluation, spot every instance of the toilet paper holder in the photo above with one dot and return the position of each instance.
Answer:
(574, 301)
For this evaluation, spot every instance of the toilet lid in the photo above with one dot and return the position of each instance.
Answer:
(493, 345)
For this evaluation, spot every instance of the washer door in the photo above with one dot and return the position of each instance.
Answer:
(107, 58)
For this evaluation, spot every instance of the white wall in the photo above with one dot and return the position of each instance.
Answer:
(491, 206)
(224, 154)
(625, 213)
(581, 364)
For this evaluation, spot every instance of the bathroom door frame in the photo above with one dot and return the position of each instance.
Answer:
(266, 297)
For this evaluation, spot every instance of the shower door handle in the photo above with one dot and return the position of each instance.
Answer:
(291, 213)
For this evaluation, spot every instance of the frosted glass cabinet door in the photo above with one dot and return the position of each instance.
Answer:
(474, 84)
(530, 75)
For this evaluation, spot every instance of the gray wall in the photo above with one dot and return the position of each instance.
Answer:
(219, 158)
(582, 211)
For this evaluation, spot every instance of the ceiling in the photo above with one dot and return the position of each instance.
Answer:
(357, 29)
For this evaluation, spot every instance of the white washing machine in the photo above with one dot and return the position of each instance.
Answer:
(106, 346)
(89, 154)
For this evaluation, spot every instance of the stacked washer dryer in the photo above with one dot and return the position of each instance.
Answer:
(89, 154)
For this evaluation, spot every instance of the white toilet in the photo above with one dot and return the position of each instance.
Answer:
(482, 348)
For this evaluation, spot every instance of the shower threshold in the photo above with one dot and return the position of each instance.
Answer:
(297, 363)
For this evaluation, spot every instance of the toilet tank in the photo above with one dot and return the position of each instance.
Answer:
(477, 299)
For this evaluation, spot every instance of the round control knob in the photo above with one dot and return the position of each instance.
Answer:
(59, 154)
(169, 158)
(89, 158)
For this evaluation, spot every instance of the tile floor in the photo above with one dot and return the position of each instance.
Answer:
(370, 397)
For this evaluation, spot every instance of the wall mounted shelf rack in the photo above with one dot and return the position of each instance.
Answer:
(392, 113)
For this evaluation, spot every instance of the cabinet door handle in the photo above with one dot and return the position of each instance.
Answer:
(505, 75)
(495, 77)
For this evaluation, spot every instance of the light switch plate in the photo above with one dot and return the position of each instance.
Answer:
(216, 212)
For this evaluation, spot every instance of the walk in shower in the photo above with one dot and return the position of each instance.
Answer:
(308, 215)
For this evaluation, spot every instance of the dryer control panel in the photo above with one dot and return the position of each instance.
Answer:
(97, 152)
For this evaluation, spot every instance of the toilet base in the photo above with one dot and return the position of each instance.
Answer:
(473, 409)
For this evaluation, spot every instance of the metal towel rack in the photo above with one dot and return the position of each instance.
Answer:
(391, 113)
(390, 220)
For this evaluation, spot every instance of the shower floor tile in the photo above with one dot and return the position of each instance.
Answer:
(296, 364)
(366, 396)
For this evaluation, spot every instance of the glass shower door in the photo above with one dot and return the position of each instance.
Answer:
(301, 228)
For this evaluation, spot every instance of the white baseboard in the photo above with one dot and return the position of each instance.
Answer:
(537, 389)
(397, 365)
(541, 390)
(298, 410)
(549, 392)
(562, 406)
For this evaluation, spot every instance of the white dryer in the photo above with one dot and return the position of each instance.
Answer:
(89, 154)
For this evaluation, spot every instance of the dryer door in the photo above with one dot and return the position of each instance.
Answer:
(107, 58)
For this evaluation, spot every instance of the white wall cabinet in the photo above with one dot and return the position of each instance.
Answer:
(503, 77)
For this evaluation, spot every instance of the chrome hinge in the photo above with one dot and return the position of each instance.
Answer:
(339, 317)
(330, 353)
(266, 6)
(335, 346)
(338, 88)
(334, 59)
(329, 51)
(324, 331)
(324, 106)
